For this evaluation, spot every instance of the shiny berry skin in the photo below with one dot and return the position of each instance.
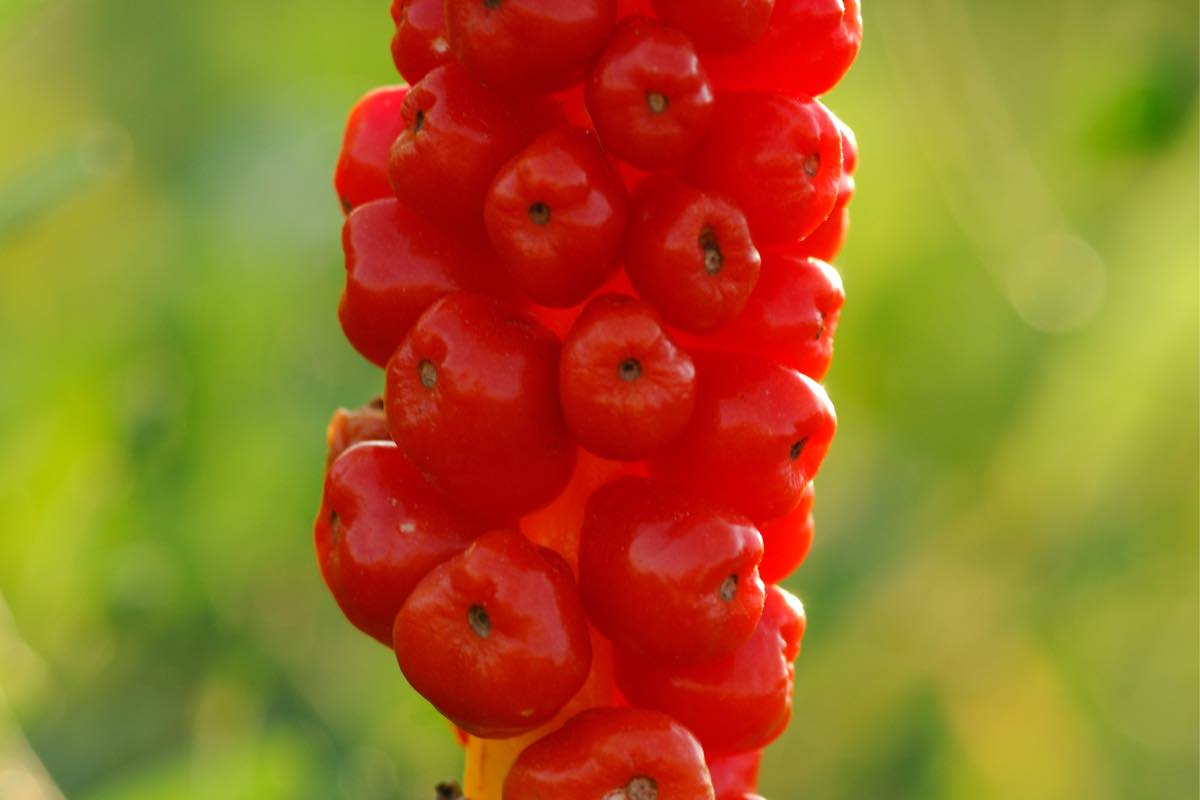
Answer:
(808, 47)
(472, 397)
(456, 135)
(495, 638)
(397, 265)
(779, 158)
(787, 540)
(735, 777)
(419, 45)
(528, 45)
(827, 240)
(612, 754)
(756, 438)
(626, 389)
(718, 25)
(668, 574)
(792, 315)
(380, 529)
(362, 168)
(649, 95)
(689, 253)
(733, 704)
(556, 217)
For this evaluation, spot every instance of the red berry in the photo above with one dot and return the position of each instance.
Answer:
(362, 169)
(649, 95)
(456, 135)
(718, 25)
(397, 265)
(626, 389)
(668, 574)
(791, 317)
(380, 529)
(735, 777)
(689, 253)
(808, 47)
(472, 397)
(419, 45)
(556, 216)
(495, 638)
(778, 157)
(787, 540)
(756, 438)
(733, 704)
(347, 428)
(826, 241)
(528, 45)
(612, 754)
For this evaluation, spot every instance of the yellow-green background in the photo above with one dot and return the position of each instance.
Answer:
(1003, 592)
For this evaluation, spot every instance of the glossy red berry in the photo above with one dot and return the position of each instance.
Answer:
(735, 777)
(668, 574)
(733, 704)
(718, 25)
(419, 45)
(556, 217)
(362, 168)
(649, 95)
(827, 240)
(778, 157)
(757, 436)
(380, 529)
(397, 265)
(791, 317)
(495, 638)
(456, 135)
(626, 389)
(807, 48)
(787, 540)
(528, 45)
(689, 253)
(472, 397)
(612, 754)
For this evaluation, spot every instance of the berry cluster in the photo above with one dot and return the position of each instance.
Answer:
(588, 244)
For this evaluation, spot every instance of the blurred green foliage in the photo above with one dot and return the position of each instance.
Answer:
(1003, 594)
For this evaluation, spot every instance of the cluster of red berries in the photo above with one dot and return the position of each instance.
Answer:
(589, 243)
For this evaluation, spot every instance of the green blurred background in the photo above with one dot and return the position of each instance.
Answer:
(1003, 592)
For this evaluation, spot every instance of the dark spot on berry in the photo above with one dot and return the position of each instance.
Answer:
(376, 403)
(492, 3)
(820, 325)
(798, 448)
(630, 370)
(480, 622)
(639, 788)
(812, 165)
(427, 372)
(657, 102)
(335, 527)
(346, 207)
(539, 213)
(419, 121)
(728, 589)
(713, 258)
(449, 791)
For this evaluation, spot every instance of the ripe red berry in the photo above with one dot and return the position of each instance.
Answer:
(626, 389)
(718, 25)
(380, 529)
(756, 438)
(397, 265)
(689, 253)
(791, 317)
(472, 397)
(556, 217)
(528, 45)
(420, 42)
(649, 95)
(807, 48)
(362, 168)
(733, 704)
(787, 540)
(734, 777)
(778, 157)
(495, 638)
(456, 135)
(826, 241)
(667, 574)
(612, 754)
